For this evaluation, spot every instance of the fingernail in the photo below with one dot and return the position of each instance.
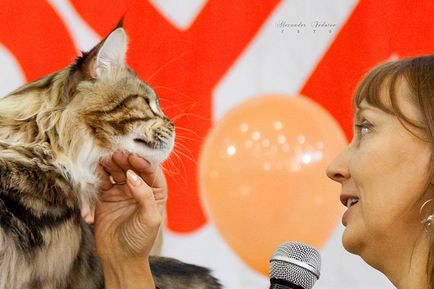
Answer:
(133, 178)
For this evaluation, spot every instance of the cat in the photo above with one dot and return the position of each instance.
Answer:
(53, 133)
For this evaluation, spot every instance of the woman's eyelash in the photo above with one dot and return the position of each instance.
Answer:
(363, 125)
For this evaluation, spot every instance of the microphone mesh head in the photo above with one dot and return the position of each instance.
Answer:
(294, 272)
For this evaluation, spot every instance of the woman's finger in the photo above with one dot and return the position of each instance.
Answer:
(144, 196)
(151, 173)
(121, 159)
(116, 194)
(160, 197)
(104, 177)
(88, 214)
(117, 173)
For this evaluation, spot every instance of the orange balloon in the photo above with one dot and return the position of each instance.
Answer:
(262, 176)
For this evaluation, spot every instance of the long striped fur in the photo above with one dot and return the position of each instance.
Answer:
(53, 132)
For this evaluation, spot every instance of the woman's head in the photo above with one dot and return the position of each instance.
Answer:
(418, 75)
(387, 169)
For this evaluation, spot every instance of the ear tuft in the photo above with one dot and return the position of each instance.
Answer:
(112, 53)
(120, 23)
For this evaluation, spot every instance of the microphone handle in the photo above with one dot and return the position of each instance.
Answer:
(283, 284)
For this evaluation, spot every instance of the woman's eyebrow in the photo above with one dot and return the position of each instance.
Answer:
(361, 109)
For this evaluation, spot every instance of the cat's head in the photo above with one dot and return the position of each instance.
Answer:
(88, 110)
(116, 110)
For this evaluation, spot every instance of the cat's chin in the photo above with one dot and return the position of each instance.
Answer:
(153, 157)
(145, 150)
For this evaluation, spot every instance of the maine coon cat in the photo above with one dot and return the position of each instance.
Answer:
(53, 132)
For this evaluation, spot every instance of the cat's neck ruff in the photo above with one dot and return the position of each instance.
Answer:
(81, 170)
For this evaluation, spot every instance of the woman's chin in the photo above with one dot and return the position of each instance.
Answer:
(350, 241)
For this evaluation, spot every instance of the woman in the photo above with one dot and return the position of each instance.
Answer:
(127, 219)
(386, 173)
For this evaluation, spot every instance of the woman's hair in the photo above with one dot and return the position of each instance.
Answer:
(418, 74)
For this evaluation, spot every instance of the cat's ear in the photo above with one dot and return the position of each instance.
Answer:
(107, 54)
(111, 53)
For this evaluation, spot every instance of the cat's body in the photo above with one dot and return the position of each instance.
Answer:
(53, 132)
(43, 241)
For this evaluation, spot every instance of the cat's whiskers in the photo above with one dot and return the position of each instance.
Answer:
(179, 106)
(174, 119)
(183, 111)
(176, 58)
(185, 155)
(176, 171)
(188, 130)
(183, 137)
(172, 90)
(179, 144)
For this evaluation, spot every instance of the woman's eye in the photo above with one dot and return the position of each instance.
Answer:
(364, 128)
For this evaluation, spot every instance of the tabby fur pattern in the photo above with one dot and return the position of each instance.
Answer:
(53, 133)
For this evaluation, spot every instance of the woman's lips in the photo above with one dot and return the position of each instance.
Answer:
(345, 217)
(348, 201)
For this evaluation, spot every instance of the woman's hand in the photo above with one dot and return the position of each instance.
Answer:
(128, 216)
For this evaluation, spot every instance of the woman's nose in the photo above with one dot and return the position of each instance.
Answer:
(338, 168)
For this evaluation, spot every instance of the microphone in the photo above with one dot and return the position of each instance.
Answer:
(294, 266)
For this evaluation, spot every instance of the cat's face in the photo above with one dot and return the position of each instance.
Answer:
(117, 109)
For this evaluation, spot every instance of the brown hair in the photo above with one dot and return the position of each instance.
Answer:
(418, 73)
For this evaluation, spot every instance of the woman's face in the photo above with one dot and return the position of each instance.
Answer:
(383, 173)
